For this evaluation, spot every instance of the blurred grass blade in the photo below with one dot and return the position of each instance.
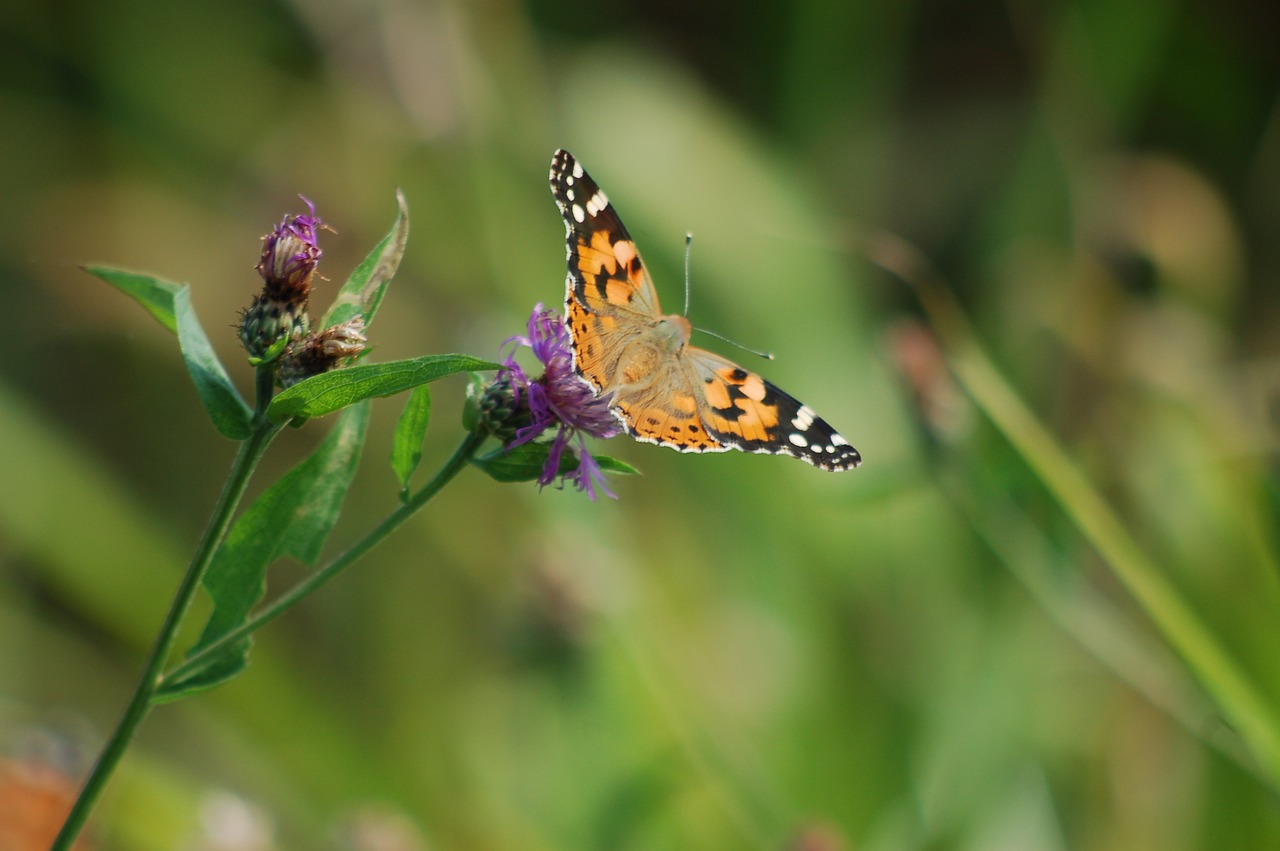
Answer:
(363, 291)
(291, 518)
(153, 293)
(1087, 615)
(406, 447)
(330, 391)
(1245, 707)
(170, 304)
(523, 463)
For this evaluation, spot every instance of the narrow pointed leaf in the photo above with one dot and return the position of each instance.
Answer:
(330, 391)
(170, 304)
(363, 291)
(230, 414)
(521, 463)
(614, 465)
(291, 518)
(155, 294)
(406, 448)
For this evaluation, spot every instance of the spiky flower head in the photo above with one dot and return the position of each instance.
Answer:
(266, 323)
(278, 315)
(520, 409)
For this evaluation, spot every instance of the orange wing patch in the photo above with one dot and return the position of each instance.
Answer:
(670, 426)
(587, 330)
(610, 271)
(738, 406)
(598, 256)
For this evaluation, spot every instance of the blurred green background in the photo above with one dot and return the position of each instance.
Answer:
(740, 651)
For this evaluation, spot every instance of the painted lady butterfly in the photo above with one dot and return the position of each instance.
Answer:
(666, 391)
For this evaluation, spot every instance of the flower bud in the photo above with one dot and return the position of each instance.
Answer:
(278, 316)
(290, 254)
(321, 351)
(498, 407)
(267, 322)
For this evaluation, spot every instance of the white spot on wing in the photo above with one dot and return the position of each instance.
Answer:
(578, 214)
(803, 418)
(837, 440)
(577, 169)
(797, 439)
(597, 203)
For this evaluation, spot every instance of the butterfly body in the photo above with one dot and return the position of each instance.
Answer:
(663, 389)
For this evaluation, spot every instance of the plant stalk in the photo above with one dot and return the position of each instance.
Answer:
(251, 450)
(299, 592)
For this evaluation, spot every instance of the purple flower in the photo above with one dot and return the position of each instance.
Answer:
(290, 254)
(559, 399)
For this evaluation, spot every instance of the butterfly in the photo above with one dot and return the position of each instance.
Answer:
(662, 389)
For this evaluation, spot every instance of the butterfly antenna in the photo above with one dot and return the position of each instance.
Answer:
(688, 249)
(750, 351)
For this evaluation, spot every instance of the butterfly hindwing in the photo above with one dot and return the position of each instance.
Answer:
(744, 411)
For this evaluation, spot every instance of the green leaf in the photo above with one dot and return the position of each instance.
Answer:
(155, 294)
(406, 448)
(614, 465)
(292, 517)
(170, 304)
(273, 351)
(230, 415)
(521, 463)
(325, 393)
(524, 463)
(363, 291)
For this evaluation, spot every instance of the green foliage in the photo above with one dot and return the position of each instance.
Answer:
(222, 401)
(406, 445)
(152, 293)
(362, 294)
(524, 463)
(170, 304)
(292, 518)
(945, 649)
(331, 391)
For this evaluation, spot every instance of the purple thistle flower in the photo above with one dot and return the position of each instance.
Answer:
(290, 254)
(559, 399)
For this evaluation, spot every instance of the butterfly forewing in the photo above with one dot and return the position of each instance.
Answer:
(604, 266)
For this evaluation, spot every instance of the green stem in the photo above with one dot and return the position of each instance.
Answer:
(241, 469)
(295, 595)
